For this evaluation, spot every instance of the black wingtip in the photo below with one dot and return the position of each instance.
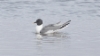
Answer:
(68, 22)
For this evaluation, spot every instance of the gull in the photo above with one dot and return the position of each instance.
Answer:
(51, 28)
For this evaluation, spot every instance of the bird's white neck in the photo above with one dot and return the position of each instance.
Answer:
(39, 28)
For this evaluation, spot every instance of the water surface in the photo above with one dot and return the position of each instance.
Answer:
(81, 38)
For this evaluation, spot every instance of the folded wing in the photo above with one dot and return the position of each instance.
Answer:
(54, 27)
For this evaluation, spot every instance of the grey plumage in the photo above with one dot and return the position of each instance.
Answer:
(54, 27)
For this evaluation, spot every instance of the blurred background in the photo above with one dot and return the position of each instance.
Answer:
(17, 31)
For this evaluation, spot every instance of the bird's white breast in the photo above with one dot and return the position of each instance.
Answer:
(39, 28)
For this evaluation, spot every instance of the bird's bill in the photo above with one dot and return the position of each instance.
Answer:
(34, 22)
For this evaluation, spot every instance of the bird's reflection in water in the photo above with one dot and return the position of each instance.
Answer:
(51, 39)
(55, 35)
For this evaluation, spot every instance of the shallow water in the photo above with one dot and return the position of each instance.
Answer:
(81, 38)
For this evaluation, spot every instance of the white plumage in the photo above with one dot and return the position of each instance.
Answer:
(51, 28)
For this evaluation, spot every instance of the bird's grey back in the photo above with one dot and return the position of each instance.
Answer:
(54, 27)
(49, 27)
